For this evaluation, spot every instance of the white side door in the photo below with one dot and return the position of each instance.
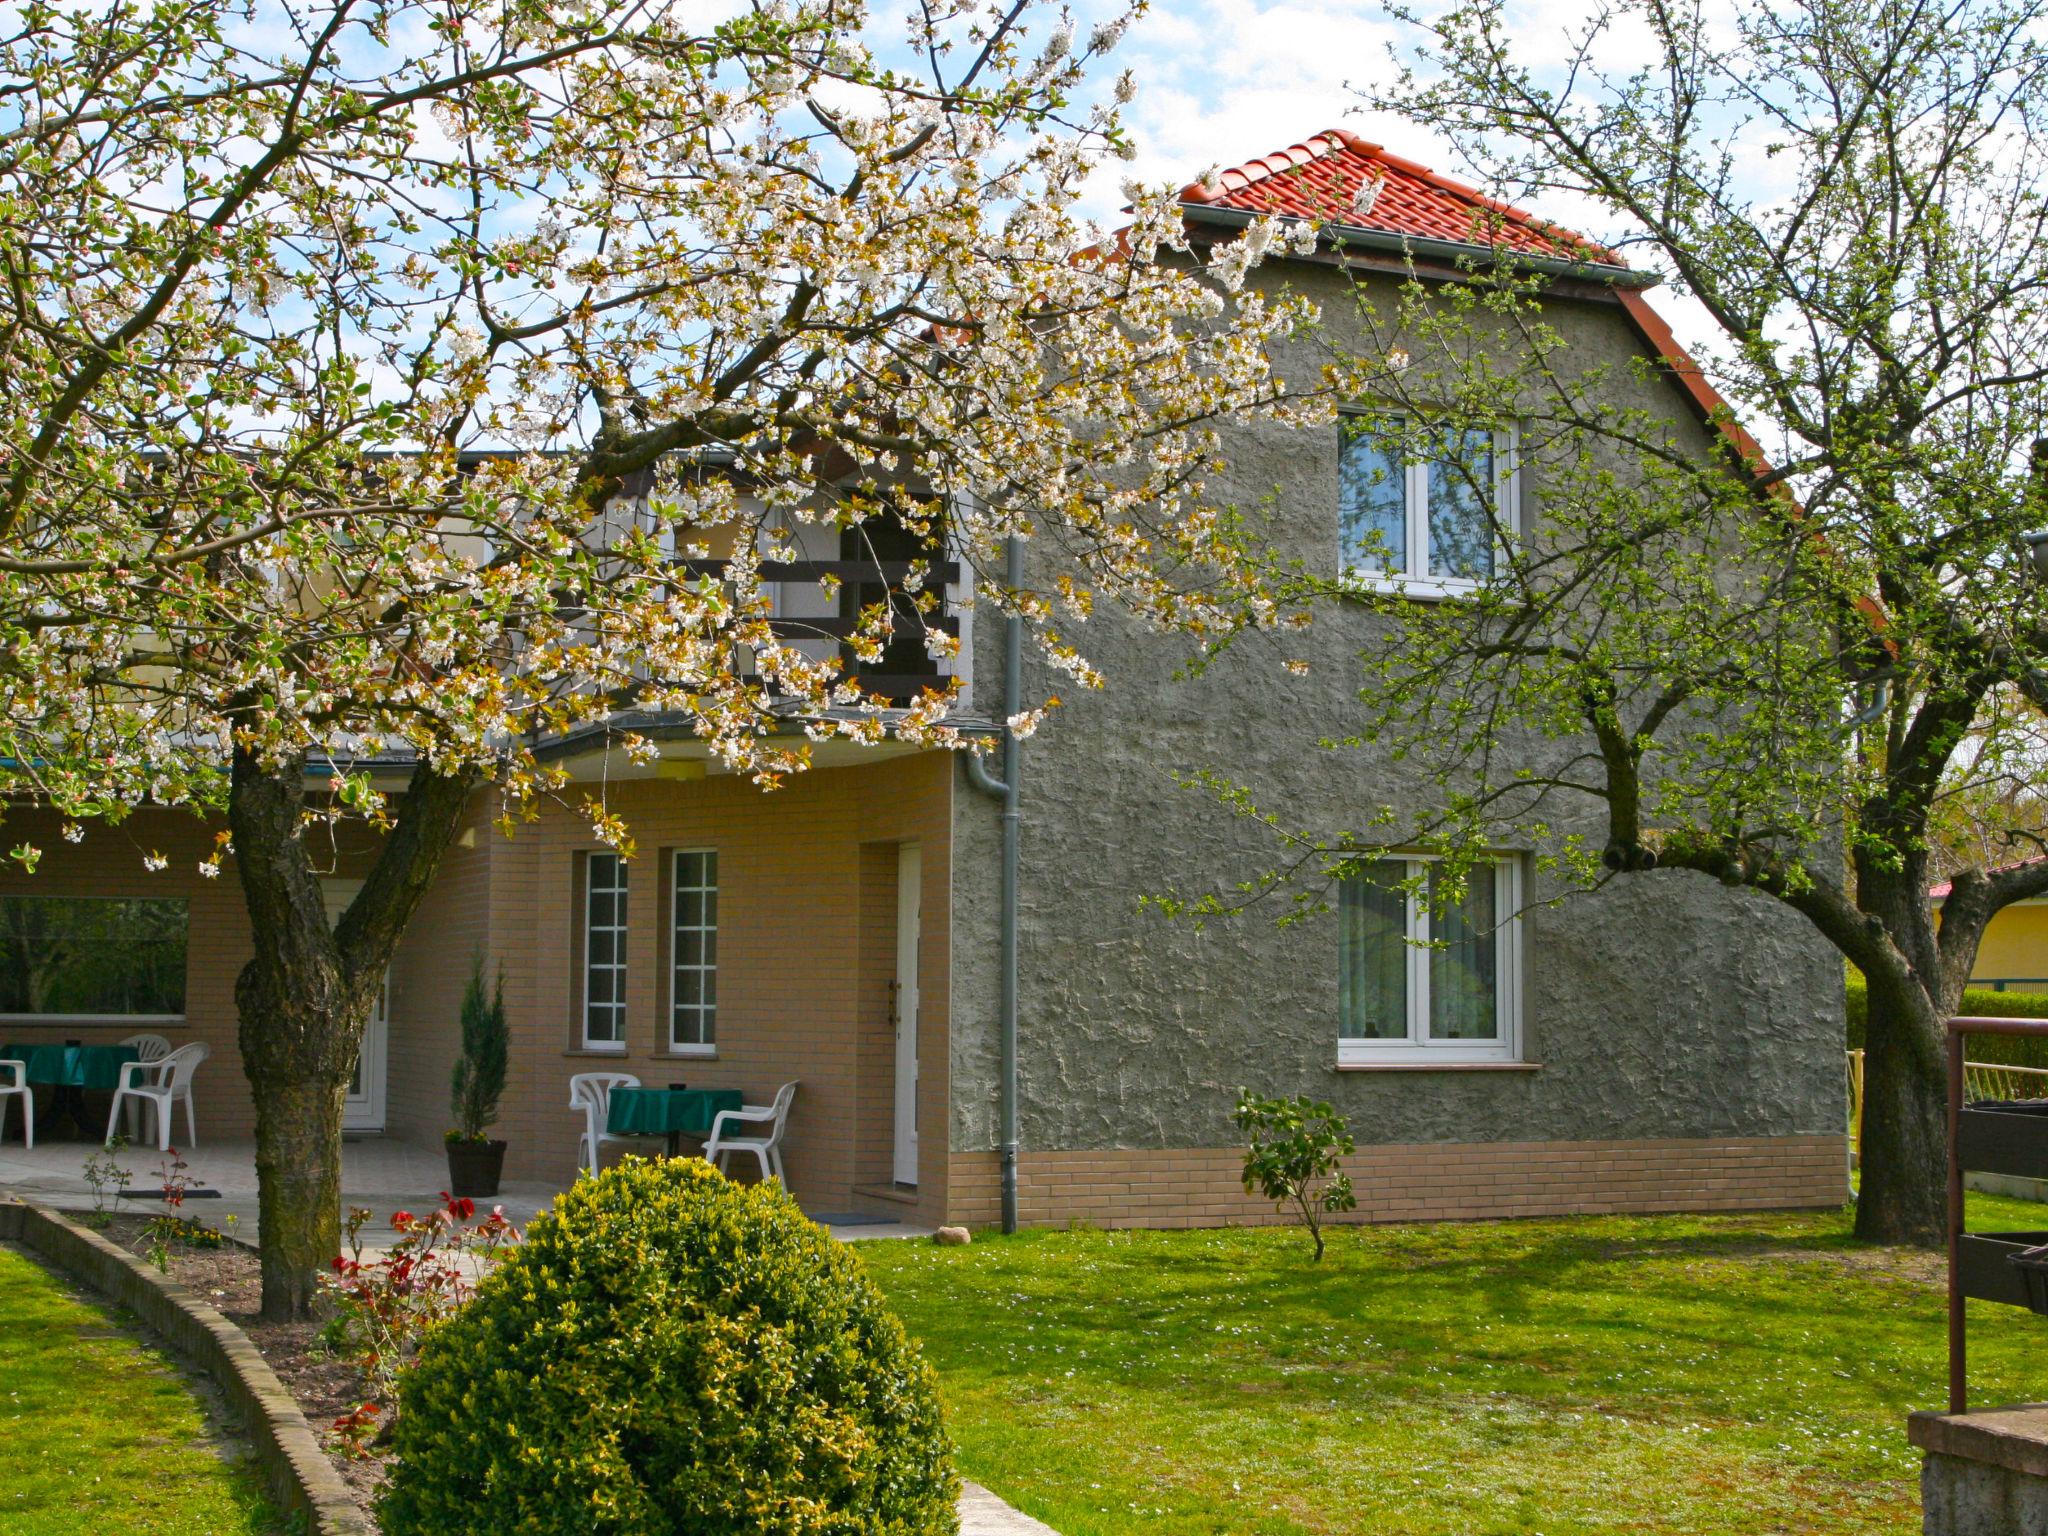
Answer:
(909, 890)
(363, 1109)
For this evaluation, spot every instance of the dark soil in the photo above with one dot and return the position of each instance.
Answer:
(325, 1384)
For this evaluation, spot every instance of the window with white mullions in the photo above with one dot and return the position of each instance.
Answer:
(693, 952)
(604, 952)
(1426, 973)
(1422, 511)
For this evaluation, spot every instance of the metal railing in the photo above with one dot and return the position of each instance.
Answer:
(1981, 1080)
(1996, 1080)
(2003, 1141)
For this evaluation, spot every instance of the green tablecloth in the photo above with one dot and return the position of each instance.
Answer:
(667, 1111)
(73, 1066)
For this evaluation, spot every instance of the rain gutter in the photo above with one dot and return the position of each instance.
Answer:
(1006, 789)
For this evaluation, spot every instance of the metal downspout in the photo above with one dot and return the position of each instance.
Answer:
(1007, 789)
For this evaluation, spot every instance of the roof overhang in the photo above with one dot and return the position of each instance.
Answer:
(1456, 253)
(598, 751)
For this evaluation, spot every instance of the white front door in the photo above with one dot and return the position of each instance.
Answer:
(363, 1109)
(909, 888)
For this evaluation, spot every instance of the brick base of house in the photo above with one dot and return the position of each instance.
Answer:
(1199, 1186)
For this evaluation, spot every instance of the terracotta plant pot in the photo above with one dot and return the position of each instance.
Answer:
(474, 1168)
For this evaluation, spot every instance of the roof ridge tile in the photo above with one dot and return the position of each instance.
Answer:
(1323, 176)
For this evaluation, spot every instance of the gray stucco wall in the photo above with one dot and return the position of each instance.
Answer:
(1664, 1006)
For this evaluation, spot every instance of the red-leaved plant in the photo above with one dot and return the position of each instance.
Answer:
(161, 1231)
(384, 1306)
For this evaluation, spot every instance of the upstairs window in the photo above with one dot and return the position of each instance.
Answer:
(887, 552)
(1421, 513)
(1425, 976)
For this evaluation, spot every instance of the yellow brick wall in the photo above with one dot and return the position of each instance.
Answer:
(798, 935)
(806, 949)
(1199, 1186)
(109, 862)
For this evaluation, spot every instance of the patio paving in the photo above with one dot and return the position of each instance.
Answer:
(983, 1514)
(379, 1172)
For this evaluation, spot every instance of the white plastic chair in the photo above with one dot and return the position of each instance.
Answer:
(159, 1085)
(147, 1048)
(767, 1149)
(18, 1070)
(591, 1092)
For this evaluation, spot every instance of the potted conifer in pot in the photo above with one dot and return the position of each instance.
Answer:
(475, 1162)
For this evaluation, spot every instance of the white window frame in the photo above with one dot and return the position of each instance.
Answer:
(1415, 502)
(1507, 938)
(708, 1046)
(618, 929)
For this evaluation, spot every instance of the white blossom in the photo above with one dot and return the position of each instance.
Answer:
(417, 349)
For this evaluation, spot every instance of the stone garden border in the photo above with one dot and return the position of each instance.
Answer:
(296, 1469)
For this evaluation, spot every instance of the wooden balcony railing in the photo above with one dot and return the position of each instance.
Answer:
(905, 669)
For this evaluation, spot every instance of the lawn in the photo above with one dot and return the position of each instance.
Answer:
(1723, 1375)
(100, 1432)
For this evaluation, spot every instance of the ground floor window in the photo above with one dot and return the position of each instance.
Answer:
(693, 940)
(604, 951)
(92, 957)
(1425, 972)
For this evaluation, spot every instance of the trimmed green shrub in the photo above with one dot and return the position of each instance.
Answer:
(670, 1352)
(2007, 1050)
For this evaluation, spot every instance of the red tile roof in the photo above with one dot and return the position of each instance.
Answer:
(1337, 176)
(1941, 892)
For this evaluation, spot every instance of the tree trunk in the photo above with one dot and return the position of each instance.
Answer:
(300, 1027)
(300, 1031)
(304, 999)
(298, 1173)
(1902, 1194)
(1903, 1191)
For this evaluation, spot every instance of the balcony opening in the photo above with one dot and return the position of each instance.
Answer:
(881, 553)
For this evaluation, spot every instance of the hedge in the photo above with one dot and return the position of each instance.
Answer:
(2009, 1050)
